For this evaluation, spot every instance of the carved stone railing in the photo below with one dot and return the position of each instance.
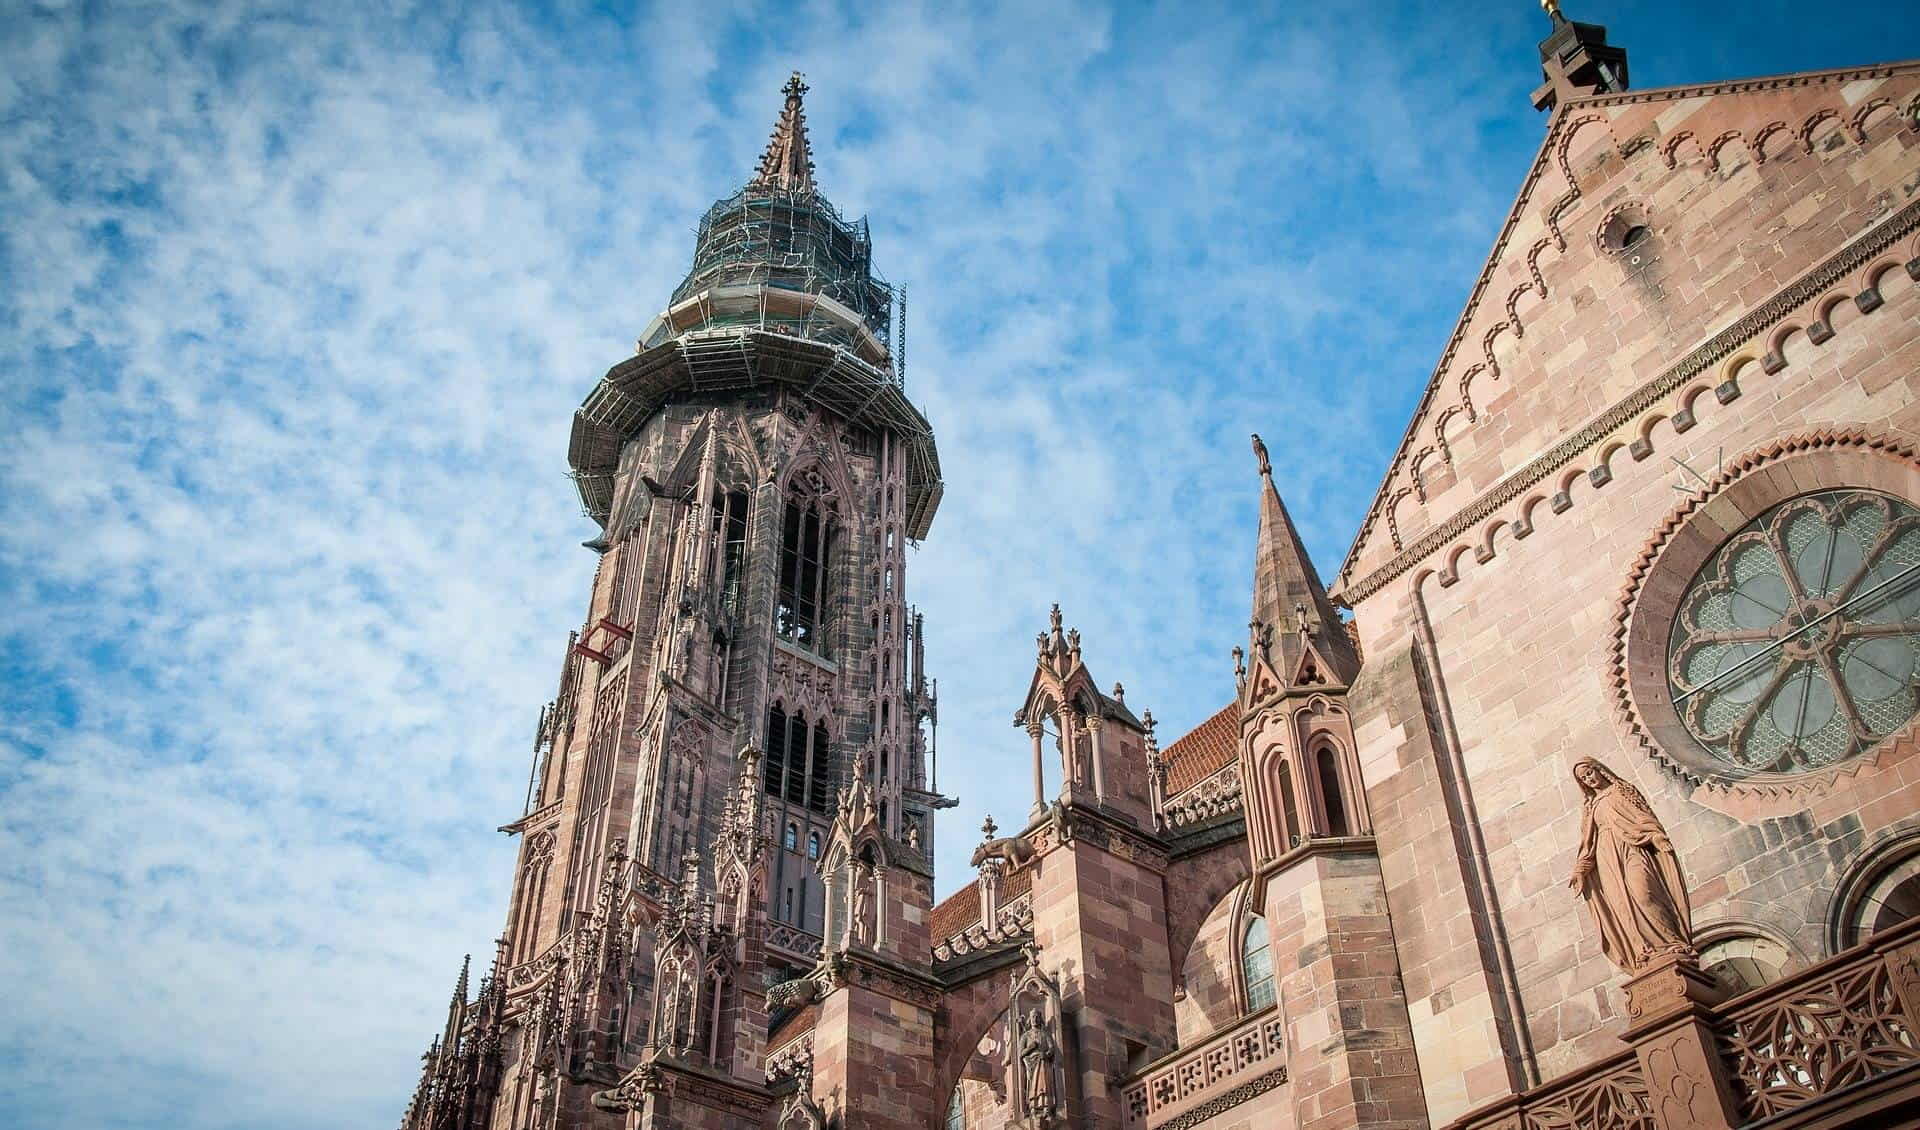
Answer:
(1608, 1095)
(1836, 1025)
(1214, 1076)
(793, 940)
(1834, 1043)
(1213, 795)
(1011, 922)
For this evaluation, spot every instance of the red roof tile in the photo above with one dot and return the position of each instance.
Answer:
(955, 913)
(1204, 751)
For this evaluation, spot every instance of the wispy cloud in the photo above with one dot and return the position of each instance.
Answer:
(297, 304)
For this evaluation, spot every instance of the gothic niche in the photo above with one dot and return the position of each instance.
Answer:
(857, 865)
(1035, 1054)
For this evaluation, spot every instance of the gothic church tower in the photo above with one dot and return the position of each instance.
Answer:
(758, 471)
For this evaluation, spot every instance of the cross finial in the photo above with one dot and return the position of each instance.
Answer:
(988, 827)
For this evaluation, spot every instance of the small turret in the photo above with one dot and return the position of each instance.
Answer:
(1576, 60)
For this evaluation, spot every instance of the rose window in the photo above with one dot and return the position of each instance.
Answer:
(1796, 644)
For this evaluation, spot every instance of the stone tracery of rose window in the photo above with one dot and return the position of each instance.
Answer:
(1797, 642)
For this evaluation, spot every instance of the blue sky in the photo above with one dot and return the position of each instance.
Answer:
(295, 305)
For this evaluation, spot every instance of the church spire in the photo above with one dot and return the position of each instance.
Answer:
(787, 165)
(1294, 622)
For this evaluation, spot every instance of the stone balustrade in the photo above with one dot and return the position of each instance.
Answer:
(1013, 922)
(1837, 1043)
(792, 940)
(1214, 795)
(1213, 1076)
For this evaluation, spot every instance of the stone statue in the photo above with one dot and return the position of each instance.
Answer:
(1036, 1066)
(1627, 872)
(862, 902)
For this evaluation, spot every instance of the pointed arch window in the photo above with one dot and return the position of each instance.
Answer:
(1328, 764)
(819, 780)
(806, 540)
(730, 530)
(813, 845)
(792, 840)
(1256, 965)
(799, 762)
(1289, 809)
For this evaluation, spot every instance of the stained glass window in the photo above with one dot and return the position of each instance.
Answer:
(1796, 644)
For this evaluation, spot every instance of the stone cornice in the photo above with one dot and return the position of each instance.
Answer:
(1206, 837)
(1741, 85)
(888, 978)
(551, 808)
(661, 1075)
(1716, 348)
(1069, 823)
(1310, 848)
(965, 970)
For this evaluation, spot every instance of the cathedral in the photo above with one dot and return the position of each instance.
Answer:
(1584, 793)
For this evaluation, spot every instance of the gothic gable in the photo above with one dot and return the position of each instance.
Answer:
(1625, 195)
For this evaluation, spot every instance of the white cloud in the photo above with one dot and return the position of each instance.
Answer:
(298, 306)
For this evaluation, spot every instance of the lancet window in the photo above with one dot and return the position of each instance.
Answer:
(806, 540)
(730, 534)
(1327, 761)
(1288, 806)
(798, 766)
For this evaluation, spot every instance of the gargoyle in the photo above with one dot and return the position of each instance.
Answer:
(793, 994)
(1015, 851)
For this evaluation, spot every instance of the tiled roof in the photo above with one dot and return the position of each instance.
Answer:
(955, 913)
(961, 909)
(1205, 750)
(795, 1026)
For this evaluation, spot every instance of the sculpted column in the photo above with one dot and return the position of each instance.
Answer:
(1068, 720)
(1037, 731)
(1094, 725)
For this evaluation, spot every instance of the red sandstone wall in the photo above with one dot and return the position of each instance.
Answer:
(1208, 975)
(1525, 633)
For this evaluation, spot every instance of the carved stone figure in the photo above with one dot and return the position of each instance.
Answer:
(1036, 1066)
(793, 994)
(1627, 872)
(1014, 850)
(862, 902)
